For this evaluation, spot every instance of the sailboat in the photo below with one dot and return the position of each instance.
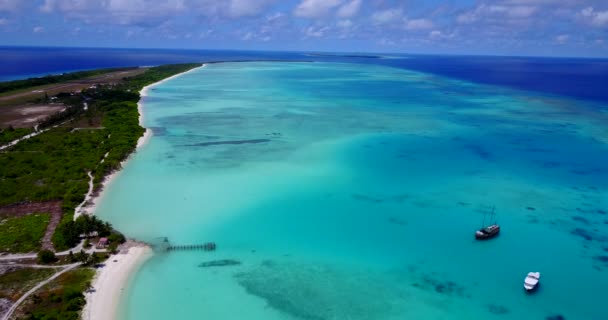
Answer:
(489, 231)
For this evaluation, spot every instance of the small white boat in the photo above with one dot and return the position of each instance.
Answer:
(531, 281)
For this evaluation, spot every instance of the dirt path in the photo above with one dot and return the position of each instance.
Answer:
(47, 240)
(33, 266)
(22, 256)
(78, 210)
(31, 135)
(14, 307)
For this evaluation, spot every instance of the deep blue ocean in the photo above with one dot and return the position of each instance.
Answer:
(572, 77)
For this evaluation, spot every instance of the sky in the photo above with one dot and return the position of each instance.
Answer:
(489, 27)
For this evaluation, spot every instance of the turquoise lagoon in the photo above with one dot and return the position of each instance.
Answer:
(352, 191)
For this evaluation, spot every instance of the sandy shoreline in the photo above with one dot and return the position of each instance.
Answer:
(111, 280)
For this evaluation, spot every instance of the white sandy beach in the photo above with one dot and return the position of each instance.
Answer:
(111, 280)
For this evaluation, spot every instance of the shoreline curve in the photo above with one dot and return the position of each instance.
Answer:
(111, 281)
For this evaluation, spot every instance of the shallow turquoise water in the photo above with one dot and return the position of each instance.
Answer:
(353, 192)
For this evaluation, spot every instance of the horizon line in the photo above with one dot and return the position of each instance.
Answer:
(315, 51)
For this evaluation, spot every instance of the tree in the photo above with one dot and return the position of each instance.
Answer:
(116, 237)
(82, 256)
(113, 247)
(69, 234)
(46, 256)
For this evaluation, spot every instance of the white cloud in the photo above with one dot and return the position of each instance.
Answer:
(386, 16)
(152, 12)
(344, 23)
(133, 12)
(485, 11)
(386, 42)
(275, 16)
(241, 8)
(419, 24)
(3, 22)
(596, 18)
(38, 29)
(205, 34)
(562, 38)
(467, 17)
(316, 8)
(248, 36)
(350, 9)
(440, 35)
(10, 5)
(435, 34)
(513, 11)
(315, 31)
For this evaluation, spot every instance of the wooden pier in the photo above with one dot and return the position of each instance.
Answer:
(210, 246)
(165, 245)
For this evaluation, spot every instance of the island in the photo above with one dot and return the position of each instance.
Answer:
(61, 137)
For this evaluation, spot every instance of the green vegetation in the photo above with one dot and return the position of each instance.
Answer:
(46, 257)
(62, 299)
(52, 79)
(10, 134)
(14, 283)
(23, 234)
(156, 74)
(70, 230)
(87, 259)
(54, 165)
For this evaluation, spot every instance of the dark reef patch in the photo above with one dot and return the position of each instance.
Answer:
(497, 309)
(580, 219)
(582, 233)
(556, 317)
(479, 151)
(537, 150)
(585, 210)
(366, 198)
(602, 259)
(219, 263)
(584, 172)
(550, 164)
(319, 292)
(378, 199)
(235, 142)
(531, 208)
(397, 221)
(159, 131)
(399, 197)
(429, 282)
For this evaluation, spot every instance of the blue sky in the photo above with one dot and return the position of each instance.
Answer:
(501, 27)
